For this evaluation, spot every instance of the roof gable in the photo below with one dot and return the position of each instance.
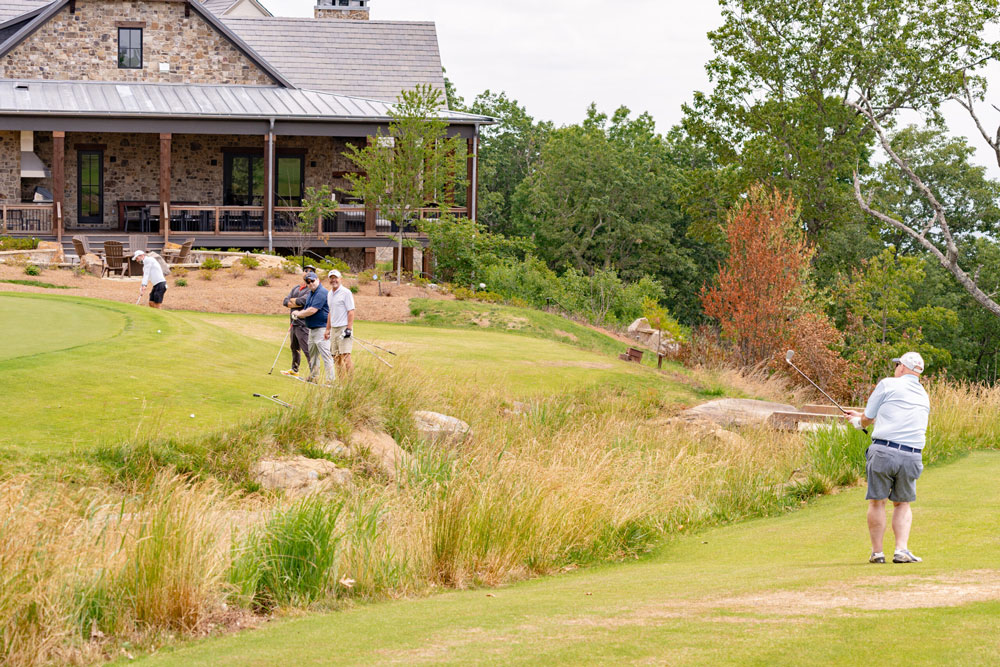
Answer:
(60, 8)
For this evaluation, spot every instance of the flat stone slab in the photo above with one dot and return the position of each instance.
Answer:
(735, 411)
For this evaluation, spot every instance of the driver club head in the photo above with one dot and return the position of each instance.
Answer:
(789, 355)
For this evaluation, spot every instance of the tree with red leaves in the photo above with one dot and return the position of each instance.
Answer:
(760, 290)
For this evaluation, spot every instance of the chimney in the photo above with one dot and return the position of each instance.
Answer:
(356, 10)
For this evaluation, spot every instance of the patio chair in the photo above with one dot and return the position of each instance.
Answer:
(114, 259)
(79, 247)
(184, 252)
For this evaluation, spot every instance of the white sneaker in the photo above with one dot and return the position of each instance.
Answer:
(905, 556)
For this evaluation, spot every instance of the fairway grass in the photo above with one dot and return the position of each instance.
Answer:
(79, 372)
(791, 590)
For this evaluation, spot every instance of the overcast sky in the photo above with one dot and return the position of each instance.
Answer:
(557, 56)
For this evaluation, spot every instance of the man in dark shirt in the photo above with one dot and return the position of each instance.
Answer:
(315, 313)
(296, 300)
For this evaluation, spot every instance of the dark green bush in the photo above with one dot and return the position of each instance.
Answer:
(32, 270)
(263, 282)
(9, 243)
(211, 264)
(250, 261)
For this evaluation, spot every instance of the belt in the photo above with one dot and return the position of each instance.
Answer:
(896, 445)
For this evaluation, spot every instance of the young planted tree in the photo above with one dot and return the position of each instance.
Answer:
(413, 166)
(761, 287)
(317, 205)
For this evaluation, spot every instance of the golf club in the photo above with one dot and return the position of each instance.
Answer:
(366, 342)
(273, 398)
(788, 359)
(138, 299)
(279, 350)
(365, 348)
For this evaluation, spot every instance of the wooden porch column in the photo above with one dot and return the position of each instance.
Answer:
(370, 226)
(165, 170)
(428, 263)
(472, 169)
(269, 188)
(58, 182)
(369, 259)
(408, 259)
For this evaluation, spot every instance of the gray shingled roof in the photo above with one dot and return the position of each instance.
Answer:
(371, 59)
(218, 6)
(10, 9)
(158, 100)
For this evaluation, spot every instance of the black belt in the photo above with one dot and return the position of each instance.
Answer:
(895, 445)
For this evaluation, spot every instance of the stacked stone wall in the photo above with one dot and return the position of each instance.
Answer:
(10, 167)
(83, 46)
(344, 14)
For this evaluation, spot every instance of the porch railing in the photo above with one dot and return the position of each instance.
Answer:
(26, 218)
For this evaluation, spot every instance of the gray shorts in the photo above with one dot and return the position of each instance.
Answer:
(892, 474)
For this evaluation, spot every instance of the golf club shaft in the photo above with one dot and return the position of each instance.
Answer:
(817, 386)
(287, 333)
(365, 348)
(368, 342)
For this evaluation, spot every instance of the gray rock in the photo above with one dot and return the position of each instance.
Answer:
(300, 475)
(436, 427)
(381, 448)
(735, 411)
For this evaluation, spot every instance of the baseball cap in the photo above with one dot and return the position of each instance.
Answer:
(310, 277)
(136, 254)
(911, 360)
(309, 267)
(333, 272)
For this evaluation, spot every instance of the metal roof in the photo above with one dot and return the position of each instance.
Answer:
(10, 9)
(372, 59)
(162, 100)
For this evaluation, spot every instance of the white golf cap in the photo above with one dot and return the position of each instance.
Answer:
(911, 360)
(138, 253)
(333, 272)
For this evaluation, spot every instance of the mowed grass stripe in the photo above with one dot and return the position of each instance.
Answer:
(791, 590)
(31, 325)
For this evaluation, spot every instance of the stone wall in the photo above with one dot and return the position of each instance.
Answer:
(10, 167)
(84, 47)
(132, 166)
(345, 14)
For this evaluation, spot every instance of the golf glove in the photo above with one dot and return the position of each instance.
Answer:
(294, 316)
(856, 423)
(347, 333)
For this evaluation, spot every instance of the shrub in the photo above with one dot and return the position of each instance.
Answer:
(179, 272)
(463, 293)
(206, 274)
(354, 289)
(289, 266)
(10, 243)
(211, 264)
(274, 273)
(250, 261)
(325, 264)
(234, 250)
(181, 282)
(32, 270)
(237, 270)
(263, 282)
(463, 249)
(365, 277)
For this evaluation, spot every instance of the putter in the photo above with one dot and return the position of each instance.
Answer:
(273, 398)
(788, 359)
(366, 342)
(279, 350)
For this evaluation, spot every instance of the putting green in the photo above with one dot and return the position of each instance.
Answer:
(792, 590)
(38, 326)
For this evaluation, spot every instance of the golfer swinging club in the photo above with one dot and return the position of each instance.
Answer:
(152, 272)
(899, 408)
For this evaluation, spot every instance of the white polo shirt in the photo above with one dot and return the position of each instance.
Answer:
(341, 302)
(152, 272)
(900, 408)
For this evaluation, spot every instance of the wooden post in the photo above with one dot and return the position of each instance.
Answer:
(217, 220)
(58, 181)
(395, 259)
(369, 259)
(428, 263)
(472, 173)
(165, 186)
(3, 212)
(269, 188)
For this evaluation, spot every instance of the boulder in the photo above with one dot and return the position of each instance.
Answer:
(336, 448)
(735, 411)
(92, 264)
(436, 427)
(57, 251)
(300, 474)
(382, 449)
(641, 332)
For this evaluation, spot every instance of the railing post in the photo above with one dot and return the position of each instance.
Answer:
(216, 220)
(4, 219)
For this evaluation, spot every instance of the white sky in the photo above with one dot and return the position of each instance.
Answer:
(555, 57)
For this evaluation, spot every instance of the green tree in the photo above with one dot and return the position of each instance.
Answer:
(414, 165)
(317, 205)
(463, 248)
(508, 151)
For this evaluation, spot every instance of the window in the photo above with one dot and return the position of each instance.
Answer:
(130, 48)
(90, 195)
(243, 179)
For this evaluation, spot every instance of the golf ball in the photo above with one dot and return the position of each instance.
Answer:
(192, 416)
(158, 331)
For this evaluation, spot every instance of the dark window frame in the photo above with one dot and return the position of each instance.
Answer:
(99, 218)
(229, 154)
(130, 49)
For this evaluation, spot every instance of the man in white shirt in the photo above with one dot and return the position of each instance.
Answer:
(899, 408)
(152, 273)
(340, 323)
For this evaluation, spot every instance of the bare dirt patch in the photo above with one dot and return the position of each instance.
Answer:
(566, 335)
(223, 294)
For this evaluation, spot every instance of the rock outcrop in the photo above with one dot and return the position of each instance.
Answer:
(439, 428)
(642, 333)
(735, 411)
(381, 448)
(92, 264)
(300, 475)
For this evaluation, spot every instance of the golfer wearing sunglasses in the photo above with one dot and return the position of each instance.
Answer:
(899, 408)
(315, 313)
